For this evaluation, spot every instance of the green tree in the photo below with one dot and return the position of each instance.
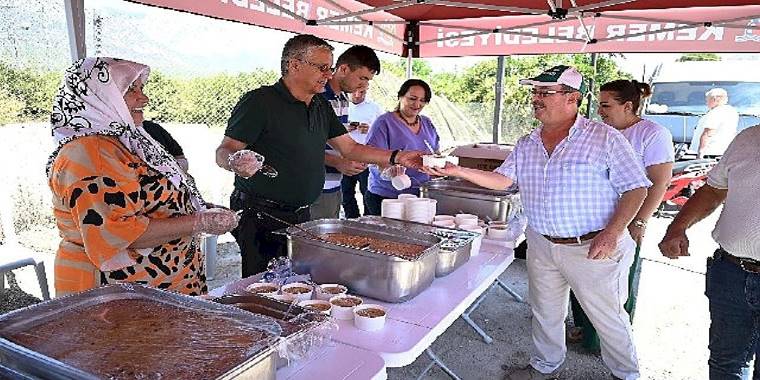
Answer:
(699, 57)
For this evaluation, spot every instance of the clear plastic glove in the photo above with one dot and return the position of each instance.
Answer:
(215, 221)
(245, 163)
(392, 171)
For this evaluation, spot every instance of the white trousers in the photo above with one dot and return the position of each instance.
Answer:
(601, 287)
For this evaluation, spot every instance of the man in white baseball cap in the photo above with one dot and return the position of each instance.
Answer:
(581, 184)
(558, 75)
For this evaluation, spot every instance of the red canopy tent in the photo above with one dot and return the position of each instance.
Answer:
(430, 28)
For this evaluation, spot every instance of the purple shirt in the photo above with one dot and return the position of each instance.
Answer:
(389, 132)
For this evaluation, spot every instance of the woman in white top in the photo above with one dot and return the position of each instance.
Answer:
(619, 106)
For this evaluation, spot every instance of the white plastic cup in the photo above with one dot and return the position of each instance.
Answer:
(344, 312)
(310, 305)
(401, 182)
(459, 218)
(406, 196)
(325, 296)
(298, 285)
(444, 217)
(498, 232)
(256, 288)
(433, 208)
(392, 208)
(367, 323)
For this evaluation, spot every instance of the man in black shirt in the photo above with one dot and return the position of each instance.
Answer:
(289, 126)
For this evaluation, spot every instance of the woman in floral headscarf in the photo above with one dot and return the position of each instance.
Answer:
(125, 210)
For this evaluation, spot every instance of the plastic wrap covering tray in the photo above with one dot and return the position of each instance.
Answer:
(130, 331)
(455, 247)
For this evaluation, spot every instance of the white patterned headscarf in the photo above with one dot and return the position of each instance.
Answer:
(90, 101)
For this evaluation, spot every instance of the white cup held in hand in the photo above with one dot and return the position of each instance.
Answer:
(401, 182)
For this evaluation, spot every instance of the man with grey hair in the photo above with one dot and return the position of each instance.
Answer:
(288, 125)
(716, 128)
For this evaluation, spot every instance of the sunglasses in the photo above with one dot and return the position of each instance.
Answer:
(545, 93)
(325, 68)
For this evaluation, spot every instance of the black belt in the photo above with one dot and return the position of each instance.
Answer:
(748, 265)
(572, 240)
(253, 201)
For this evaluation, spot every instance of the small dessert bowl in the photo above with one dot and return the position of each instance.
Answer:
(498, 232)
(300, 290)
(317, 306)
(343, 306)
(263, 288)
(369, 317)
(327, 291)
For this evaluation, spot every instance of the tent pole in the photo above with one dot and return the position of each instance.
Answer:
(75, 23)
(409, 62)
(499, 91)
(590, 94)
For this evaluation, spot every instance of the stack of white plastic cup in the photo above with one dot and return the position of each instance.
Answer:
(417, 210)
(433, 203)
(392, 208)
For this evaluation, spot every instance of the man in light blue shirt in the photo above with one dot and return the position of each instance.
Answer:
(581, 184)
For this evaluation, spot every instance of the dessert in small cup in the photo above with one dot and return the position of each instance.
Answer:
(319, 306)
(369, 317)
(343, 306)
(300, 290)
(327, 291)
(263, 288)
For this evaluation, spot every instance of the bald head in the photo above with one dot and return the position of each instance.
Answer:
(716, 97)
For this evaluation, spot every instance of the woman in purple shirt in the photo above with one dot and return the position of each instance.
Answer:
(403, 129)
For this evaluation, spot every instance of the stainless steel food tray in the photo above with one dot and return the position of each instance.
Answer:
(457, 196)
(259, 365)
(365, 272)
(455, 248)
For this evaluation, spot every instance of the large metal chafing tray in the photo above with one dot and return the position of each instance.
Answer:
(455, 247)
(365, 272)
(21, 362)
(458, 196)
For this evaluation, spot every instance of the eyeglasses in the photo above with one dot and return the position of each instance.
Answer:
(545, 93)
(325, 68)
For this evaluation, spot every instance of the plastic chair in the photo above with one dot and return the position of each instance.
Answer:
(15, 257)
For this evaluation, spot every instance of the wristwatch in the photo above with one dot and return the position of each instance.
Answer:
(392, 160)
(639, 223)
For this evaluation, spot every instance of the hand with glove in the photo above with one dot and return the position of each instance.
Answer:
(245, 163)
(215, 221)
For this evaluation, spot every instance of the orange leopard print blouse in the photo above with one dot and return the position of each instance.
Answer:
(103, 198)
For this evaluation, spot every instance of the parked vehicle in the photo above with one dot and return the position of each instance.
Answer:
(688, 176)
(678, 94)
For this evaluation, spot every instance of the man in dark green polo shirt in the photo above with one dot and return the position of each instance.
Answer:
(289, 126)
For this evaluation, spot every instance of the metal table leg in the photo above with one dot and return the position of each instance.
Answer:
(510, 291)
(466, 315)
(436, 361)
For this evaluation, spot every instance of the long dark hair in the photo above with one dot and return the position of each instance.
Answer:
(411, 83)
(628, 91)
